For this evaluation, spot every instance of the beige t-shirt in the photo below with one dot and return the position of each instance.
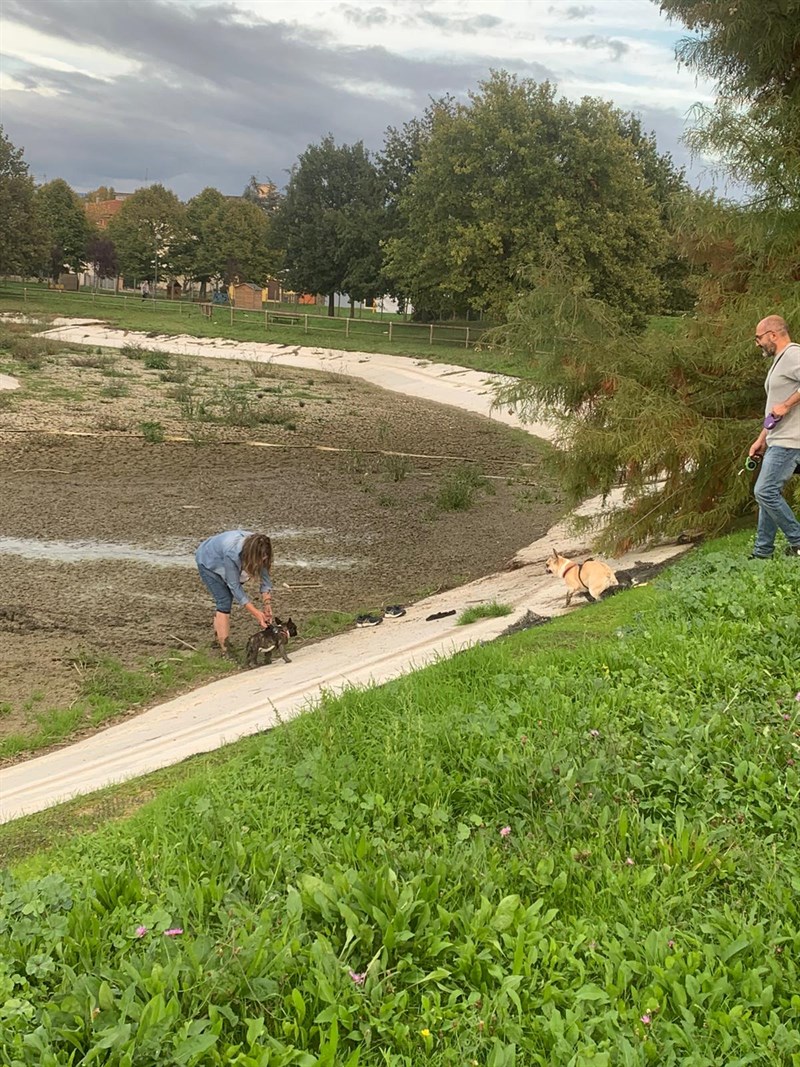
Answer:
(783, 379)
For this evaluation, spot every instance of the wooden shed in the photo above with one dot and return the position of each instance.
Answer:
(247, 295)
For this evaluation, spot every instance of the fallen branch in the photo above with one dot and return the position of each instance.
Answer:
(38, 470)
(182, 642)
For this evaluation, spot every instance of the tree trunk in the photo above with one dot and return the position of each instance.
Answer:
(352, 308)
(331, 307)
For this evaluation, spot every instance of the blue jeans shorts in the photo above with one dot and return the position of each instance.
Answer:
(223, 597)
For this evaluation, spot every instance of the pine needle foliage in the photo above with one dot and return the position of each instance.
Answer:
(669, 418)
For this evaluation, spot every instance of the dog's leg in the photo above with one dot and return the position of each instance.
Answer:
(268, 658)
(569, 598)
(284, 657)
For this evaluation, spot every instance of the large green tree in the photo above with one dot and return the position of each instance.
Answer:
(22, 238)
(68, 229)
(228, 239)
(149, 233)
(329, 223)
(513, 176)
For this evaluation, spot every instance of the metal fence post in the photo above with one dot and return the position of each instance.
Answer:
(306, 318)
(431, 339)
(390, 329)
(466, 339)
(347, 327)
(231, 314)
(25, 293)
(266, 319)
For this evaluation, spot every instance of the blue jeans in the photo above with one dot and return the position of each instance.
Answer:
(774, 513)
(223, 597)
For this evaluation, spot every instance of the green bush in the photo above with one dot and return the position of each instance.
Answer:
(153, 432)
(460, 487)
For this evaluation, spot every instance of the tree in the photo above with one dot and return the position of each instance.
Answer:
(264, 195)
(149, 233)
(22, 239)
(227, 239)
(99, 195)
(329, 222)
(201, 261)
(102, 255)
(752, 49)
(510, 178)
(669, 417)
(68, 229)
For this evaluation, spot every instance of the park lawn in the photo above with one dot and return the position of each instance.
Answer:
(573, 846)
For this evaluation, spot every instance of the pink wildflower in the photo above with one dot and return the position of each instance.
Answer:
(505, 831)
(786, 717)
(670, 943)
(646, 1019)
(358, 978)
(174, 932)
(141, 931)
(797, 697)
(630, 862)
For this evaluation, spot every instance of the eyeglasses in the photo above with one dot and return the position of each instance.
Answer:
(764, 334)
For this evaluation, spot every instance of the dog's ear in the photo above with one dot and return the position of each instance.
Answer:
(555, 551)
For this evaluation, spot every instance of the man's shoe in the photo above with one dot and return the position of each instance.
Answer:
(754, 556)
(368, 620)
(394, 612)
(793, 550)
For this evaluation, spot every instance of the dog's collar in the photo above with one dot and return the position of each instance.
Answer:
(571, 567)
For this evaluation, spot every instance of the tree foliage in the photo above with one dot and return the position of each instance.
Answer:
(329, 223)
(66, 225)
(510, 178)
(149, 233)
(102, 255)
(668, 416)
(751, 48)
(22, 238)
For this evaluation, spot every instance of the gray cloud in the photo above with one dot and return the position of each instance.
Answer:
(214, 100)
(578, 11)
(616, 49)
(369, 16)
(448, 24)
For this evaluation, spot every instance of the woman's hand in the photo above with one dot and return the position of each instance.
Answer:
(261, 617)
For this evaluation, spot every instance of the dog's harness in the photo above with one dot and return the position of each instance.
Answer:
(580, 567)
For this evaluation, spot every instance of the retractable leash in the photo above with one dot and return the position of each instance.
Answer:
(770, 422)
(750, 464)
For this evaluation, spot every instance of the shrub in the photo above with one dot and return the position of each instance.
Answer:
(483, 611)
(459, 488)
(153, 432)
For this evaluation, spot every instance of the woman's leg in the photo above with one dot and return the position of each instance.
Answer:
(223, 602)
(222, 628)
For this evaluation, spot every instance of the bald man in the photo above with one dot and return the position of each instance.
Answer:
(780, 445)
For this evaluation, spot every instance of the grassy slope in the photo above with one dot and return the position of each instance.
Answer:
(641, 909)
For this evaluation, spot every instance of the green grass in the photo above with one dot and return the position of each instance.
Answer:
(573, 846)
(109, 689)
(483, 611)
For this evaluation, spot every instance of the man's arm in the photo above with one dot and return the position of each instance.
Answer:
(787, 405)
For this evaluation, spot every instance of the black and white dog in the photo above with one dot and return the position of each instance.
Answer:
(272, 638)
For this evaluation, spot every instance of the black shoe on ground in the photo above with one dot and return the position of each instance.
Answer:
(394, 612)
(793, 550)
(368, 620)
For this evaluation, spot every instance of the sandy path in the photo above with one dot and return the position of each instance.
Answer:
(251, 702)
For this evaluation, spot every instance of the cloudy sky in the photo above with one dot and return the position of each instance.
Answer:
(194, 93)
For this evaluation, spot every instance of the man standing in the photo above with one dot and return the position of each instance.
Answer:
(779, 441)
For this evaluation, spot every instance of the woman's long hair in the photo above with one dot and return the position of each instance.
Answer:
(257, 554)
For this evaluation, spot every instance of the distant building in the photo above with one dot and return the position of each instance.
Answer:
(100, 213)
(246, 295)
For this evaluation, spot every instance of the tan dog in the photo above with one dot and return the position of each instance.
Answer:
(592, 577)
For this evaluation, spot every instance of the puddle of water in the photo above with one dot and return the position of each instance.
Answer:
(178, 554)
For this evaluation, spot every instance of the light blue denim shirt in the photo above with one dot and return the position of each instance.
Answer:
(222, 554)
